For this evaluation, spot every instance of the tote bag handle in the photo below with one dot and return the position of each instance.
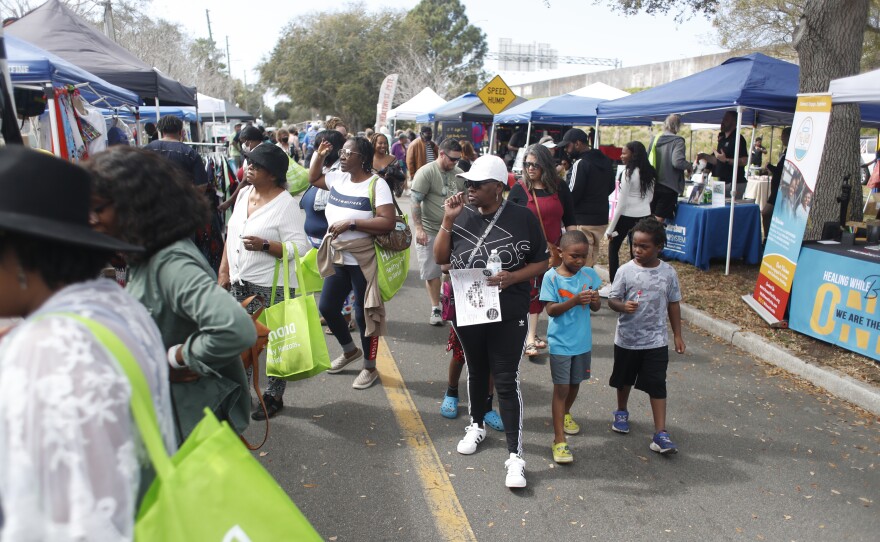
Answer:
(300, 280)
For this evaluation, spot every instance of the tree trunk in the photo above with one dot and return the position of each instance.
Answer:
(828, 41)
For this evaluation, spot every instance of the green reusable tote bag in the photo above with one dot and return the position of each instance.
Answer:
(213, 488)
(297, 178)
(392, 266)
(312, 281)
(296, 348)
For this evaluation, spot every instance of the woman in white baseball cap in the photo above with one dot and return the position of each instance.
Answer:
(476, 223)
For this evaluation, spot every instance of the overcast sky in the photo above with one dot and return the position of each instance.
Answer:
(572, 27)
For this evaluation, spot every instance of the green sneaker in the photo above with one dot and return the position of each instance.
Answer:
(562, 453)
(570, 426)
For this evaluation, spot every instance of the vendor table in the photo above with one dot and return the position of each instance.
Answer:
(758, 189)
(699, 233)
(834, 296)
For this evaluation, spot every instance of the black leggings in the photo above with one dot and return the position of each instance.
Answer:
(624, 225)
(336, 289)
(496, 348)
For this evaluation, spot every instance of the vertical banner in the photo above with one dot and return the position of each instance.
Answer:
(386, 96)
(789, 221)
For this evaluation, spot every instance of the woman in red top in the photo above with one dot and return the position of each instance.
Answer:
(549, 198)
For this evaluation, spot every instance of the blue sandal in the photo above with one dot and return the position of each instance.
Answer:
(493, 420)
(449, 408)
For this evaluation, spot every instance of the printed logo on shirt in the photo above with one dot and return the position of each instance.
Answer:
(358, 203)
(522, 323)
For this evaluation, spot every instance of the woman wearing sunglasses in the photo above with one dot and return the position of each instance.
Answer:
(475, 223)
(544, 193)
(265, 216)
(347, 257)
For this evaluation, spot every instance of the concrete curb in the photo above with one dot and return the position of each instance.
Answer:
(840, 385)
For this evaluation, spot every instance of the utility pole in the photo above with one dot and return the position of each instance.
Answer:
(210, 35)
(109, 29)
(245, 91)
(228, 60)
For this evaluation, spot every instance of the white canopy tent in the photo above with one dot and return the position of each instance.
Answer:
(423, 102)
(600, 90)
(207, 104)
(863, 88)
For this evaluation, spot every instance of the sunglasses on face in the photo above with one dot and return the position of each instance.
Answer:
(476, 185)
(346, 153)
(527, 165)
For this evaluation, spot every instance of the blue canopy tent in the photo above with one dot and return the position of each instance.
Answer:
(565, 109)
(762, 89)
(466, 108)
(184, 113)
(31, 66)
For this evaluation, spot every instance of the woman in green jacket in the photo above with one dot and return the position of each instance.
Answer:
(144, 199)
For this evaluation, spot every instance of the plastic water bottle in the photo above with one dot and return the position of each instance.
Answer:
(493, 264)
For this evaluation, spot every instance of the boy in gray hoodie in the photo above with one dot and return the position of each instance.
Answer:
(667, 155)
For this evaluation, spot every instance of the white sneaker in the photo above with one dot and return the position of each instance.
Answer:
(605, 291)
(338, 364)
(473, 436)
(436, 317)
(365, 379)
(516, 467)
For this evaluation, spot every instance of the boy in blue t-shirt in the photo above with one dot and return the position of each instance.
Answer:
(568, 289)
(645, 292)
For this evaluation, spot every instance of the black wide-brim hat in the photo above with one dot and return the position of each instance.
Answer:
(46, 197)
(270, 157)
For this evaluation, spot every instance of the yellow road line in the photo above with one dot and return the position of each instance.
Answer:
(449, 516)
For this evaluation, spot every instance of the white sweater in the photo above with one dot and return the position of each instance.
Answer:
(630, 201)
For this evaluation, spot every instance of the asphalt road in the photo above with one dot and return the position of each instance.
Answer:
(763, 457)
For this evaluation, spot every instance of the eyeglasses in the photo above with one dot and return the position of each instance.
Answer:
(453, 158)
(346, 153)
(527, 165)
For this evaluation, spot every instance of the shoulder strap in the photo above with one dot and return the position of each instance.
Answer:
(540, 219)
(251, 359)
(486, 233)
(373, 182)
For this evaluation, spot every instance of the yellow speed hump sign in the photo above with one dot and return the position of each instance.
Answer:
(496, 95)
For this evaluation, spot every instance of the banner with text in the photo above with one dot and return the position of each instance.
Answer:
(386, 96)
(837, 301)
(789, 221)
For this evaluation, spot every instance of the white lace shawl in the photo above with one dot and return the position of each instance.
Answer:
(70, 454)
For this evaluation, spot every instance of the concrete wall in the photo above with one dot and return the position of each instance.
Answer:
(647, 75)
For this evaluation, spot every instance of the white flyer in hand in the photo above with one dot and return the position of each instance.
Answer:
(475, 301)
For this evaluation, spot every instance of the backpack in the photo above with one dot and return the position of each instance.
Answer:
(600, 168)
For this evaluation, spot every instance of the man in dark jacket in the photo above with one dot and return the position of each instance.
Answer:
(590, 180)
(671, 165)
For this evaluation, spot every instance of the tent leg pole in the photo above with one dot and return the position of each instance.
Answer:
(597, 133)
(492, 139)
(739, 112)
(528, 133)
(157, 111)
(53, 121)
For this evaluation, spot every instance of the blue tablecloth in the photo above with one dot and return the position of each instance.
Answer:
(699, 233)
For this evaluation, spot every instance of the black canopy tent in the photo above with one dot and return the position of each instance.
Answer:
(56, 29)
